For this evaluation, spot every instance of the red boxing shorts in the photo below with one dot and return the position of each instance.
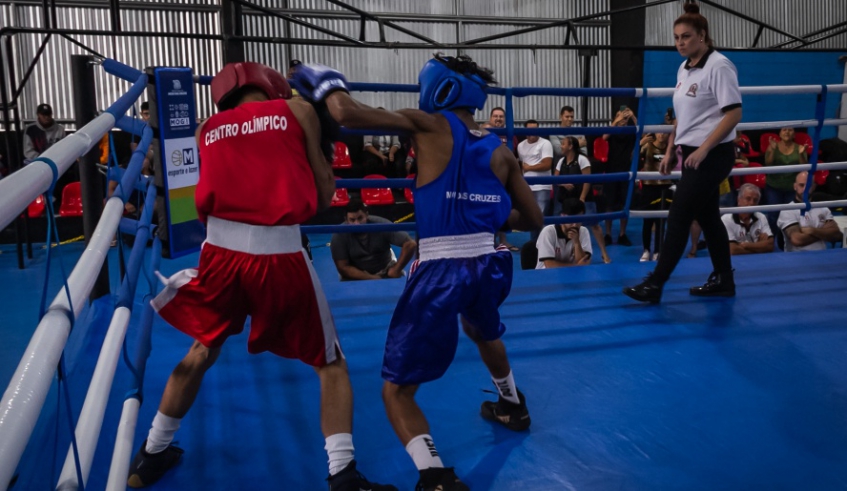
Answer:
(258, 271)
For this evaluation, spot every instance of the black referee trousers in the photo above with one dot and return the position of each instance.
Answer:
(696, 198)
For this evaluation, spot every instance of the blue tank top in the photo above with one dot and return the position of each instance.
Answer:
(467, 198)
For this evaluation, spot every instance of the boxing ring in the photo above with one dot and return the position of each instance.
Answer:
(738, 393)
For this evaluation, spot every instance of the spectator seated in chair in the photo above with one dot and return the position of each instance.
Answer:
(749, 233)
(368, 256)
(379, 154)
(565, 244)
(809, 231)
(783, 151)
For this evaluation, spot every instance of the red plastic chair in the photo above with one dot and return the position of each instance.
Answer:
(36, 208)
(756, 179)
(765, 140)
(71, 201)
(752, 154)
(341, 197)
(407, 192)
(601, 150)
(341, 158)
(377, 196)
(805, 139)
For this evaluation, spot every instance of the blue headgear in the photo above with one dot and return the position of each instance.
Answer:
(443, 89)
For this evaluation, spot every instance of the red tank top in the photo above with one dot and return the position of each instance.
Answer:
(254, 168)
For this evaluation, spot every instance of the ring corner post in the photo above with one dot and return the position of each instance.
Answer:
(232, 28)
(85, 110)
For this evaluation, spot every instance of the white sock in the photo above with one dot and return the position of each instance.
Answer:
(162, 432)
(339, 449)
(507, 389)
(422, 450)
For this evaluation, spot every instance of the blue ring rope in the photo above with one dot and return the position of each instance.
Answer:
(636, 153)
(409, 183)
(820, 114)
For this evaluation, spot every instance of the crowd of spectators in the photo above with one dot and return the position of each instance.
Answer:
(370, 256)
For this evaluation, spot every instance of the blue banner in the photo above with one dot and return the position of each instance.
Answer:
(180, 159)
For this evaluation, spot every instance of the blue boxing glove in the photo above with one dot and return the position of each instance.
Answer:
(315, 82)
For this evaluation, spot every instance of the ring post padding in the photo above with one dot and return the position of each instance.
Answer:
(118, 69)
(203, 79)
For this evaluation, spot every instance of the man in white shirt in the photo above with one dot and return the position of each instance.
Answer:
(566, 244)
(749, 233)
(809, 231)
(536, 157)
(566, 118)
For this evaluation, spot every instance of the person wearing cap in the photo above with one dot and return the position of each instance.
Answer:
(292, 65)
(41, 135)
(263, 175)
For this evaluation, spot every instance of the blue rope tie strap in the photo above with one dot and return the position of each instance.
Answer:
(54, 169)
(53, 234)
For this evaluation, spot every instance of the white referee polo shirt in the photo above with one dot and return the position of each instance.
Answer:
(704, 92)
(816, 217)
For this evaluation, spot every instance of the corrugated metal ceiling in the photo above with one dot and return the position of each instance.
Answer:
(525, 67)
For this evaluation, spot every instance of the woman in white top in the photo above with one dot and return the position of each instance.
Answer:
(707, 102)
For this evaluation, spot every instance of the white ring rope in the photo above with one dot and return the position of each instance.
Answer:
(756, 90)
(22, 187)
(747, 209)
(745, 171)
(766, 125)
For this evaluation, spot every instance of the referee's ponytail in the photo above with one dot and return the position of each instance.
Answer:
(693, 18)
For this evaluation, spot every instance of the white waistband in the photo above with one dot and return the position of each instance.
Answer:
(253, 239)
(456, 246)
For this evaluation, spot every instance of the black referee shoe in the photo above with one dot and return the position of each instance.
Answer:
(718, 285)
(648, 290)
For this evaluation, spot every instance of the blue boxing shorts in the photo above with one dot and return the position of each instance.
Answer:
(424, 330)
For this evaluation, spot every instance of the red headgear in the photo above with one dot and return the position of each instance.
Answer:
(234, 76)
